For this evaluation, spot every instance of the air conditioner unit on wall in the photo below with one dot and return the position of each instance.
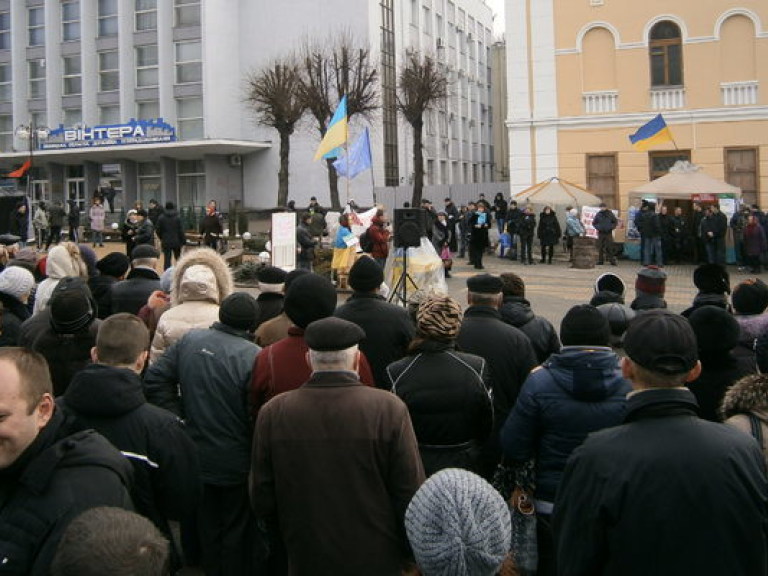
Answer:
(235, 160)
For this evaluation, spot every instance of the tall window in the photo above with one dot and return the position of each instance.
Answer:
(661, 162)
(36, 26)
(109, 75)
(666, 52)
(6, 133)
(36, 79)
(602, 177)
(189, 65)
(73, 83)
(187, 12)
(189, 117)
(70, 21)
(741, 170)
(146, 66)
(191, 182)
(389, 93)
(6, 93)
(150, 182)
(107, 17)
(146, 14)
(5, 30)
(148, 110)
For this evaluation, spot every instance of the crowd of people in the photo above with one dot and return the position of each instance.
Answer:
(152, 417)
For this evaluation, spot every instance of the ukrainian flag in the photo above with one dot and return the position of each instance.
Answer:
(650, 134)
(336, 134)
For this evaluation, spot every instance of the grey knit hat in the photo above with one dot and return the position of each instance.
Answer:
(16, 281)
(458, 524)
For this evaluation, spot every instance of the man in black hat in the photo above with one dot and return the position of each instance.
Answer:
(388, 327)
(205, 378)
(131, 294)
(272, 292)
(605, 223)
(665, 492)
(714, 226)
(112, 268)
(507, 350)
(336, 463)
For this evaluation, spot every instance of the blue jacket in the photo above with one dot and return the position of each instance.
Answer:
(577, 391)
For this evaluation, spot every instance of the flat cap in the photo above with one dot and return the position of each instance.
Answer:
(332, 333)
(485, 284)
(144, 251)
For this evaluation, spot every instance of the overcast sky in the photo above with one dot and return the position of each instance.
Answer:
(498, 9)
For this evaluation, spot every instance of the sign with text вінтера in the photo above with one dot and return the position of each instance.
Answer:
(134, 132)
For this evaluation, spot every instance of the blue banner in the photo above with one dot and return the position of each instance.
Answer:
(134, 132)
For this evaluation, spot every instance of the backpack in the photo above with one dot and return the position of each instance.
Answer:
(366, 242)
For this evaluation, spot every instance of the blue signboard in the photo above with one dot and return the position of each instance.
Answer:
(134, 132)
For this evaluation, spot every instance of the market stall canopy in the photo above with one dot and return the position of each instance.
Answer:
(683, 180)
(557, 192)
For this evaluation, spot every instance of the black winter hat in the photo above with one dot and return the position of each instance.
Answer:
(365, 275)
(72, 306)
(310, 297)
(618, 316)
(114, 264)
(584, 325)
(332, 333)
(750, 297)
(712, 279)
(716, 329)
(240, 310)
(485, 284)
(144, 251)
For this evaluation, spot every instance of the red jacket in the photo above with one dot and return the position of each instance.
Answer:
(283, 366)
(380, 238)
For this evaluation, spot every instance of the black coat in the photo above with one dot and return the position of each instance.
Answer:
(388, 331)
(170, 230)
(516, 311)
(14, 315)
(449, 400)
(73, 216)
(527, 225)
(56, 478)
(719, 371)
(166, 472)
(478, 232)
(666, 493)
(548, 231)
(131, 294)
(101, 289)
(145, 233)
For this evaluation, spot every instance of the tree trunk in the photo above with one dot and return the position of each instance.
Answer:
(418, 164)
(333, 184)
(282, 178)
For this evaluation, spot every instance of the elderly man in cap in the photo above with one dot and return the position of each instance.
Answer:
(507, 350)
(387, 327)
(665, 492)
(131, 294)
(336, 464)
(204, 377)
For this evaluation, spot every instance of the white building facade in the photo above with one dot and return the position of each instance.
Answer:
(168, 77)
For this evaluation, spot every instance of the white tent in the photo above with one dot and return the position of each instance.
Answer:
(683, 180)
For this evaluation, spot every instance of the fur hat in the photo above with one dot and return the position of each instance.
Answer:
(712, 279)
(749, 394)
(439, 318)
(457, 523)
(716, 329)
(750, 297)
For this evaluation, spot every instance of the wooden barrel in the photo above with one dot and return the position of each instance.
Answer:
(584, 252)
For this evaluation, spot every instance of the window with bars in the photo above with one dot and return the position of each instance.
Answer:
(70, 21)
(189, 65)
(36, 79)
(73, 80)
(109, 73)
(186, 13)
(146, 66)
(666, 54)
(36, 26)
(6, 92)
(146, 15)
(107, 18)
(5, 30)
(189, 118)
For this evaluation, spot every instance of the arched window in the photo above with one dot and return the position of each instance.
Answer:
(666, 52)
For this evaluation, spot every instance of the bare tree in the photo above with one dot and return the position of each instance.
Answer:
(423, 84)
(273, 94)
(327, 75)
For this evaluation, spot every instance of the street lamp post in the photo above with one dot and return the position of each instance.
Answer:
(33, 134)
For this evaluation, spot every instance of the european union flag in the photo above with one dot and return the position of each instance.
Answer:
(358, 158)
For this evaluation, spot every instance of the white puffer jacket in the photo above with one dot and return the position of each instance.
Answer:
(201, 280)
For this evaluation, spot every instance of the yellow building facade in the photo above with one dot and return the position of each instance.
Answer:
(585, 74)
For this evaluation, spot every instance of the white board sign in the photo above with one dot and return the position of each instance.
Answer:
(284, 240)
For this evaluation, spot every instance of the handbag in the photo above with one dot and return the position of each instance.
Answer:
(516, 485)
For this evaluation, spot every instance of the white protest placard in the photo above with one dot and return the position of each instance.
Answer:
(284, 240)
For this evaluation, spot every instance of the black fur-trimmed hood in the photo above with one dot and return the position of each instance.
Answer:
(750, 394)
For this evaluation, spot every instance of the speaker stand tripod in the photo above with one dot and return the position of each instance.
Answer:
(400, 291)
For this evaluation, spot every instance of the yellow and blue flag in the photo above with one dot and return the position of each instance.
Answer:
(650, 134)
(336, 134)
(358, 159)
